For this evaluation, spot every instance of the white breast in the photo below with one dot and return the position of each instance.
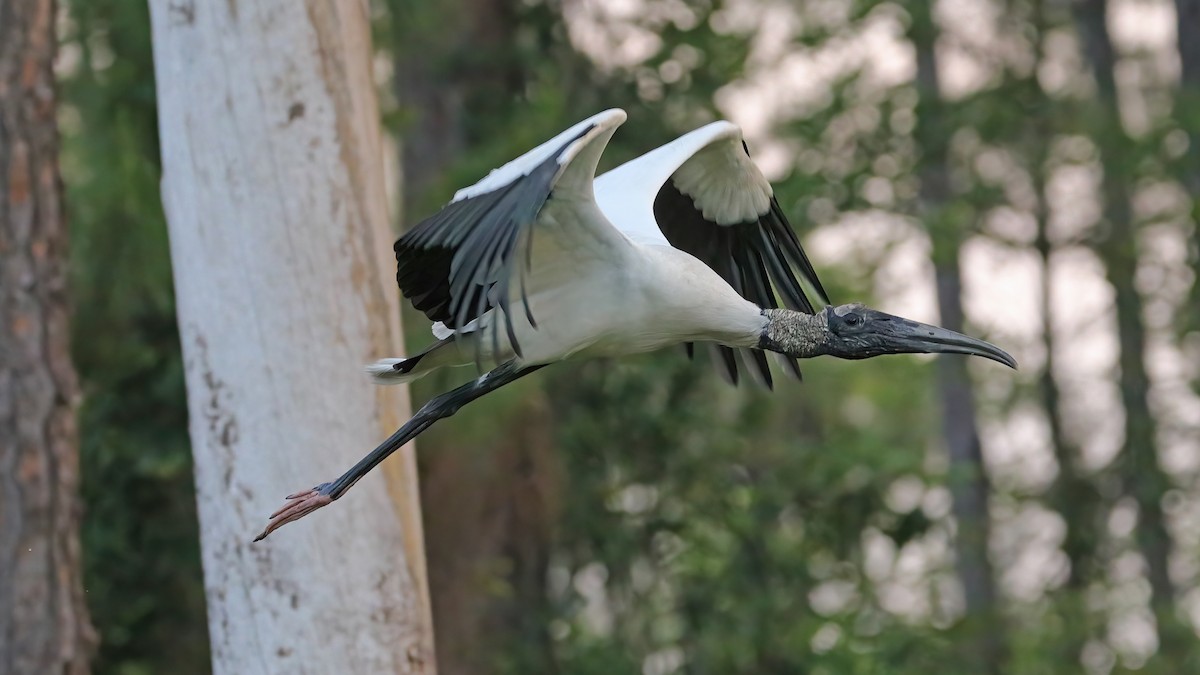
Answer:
(691, 302)
(655, 298)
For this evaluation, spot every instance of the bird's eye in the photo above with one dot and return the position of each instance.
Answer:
(853, 319)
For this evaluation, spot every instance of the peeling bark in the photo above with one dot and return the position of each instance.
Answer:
(44, 625)
(274, 195)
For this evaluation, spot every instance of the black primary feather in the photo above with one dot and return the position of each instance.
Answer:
(758, 259)
(457, 264)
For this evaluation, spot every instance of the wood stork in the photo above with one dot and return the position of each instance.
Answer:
(542, 261)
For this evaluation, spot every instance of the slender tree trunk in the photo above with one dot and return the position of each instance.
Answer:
(491, 508)
(1187, 114)
(431, 102)
(44, 625)
(457, 73)
(1072, 495)
(274, 195)
(1187, 28)
(1117, 244)
(969, 485)
(494, 508)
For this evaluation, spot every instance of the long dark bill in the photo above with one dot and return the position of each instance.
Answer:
(913, 337)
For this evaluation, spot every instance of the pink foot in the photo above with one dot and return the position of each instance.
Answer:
(299, 505)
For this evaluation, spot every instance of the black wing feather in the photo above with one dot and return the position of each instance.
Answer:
(758, 258)
(457, 264)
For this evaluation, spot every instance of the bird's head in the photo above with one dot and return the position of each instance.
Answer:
(858, 332)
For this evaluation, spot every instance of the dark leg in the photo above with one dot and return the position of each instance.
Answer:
(303, 503)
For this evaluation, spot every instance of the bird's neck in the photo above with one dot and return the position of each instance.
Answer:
(794, 333)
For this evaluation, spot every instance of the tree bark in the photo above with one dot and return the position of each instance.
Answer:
(1073, 494)
(491, 508)
(1187, 29)
(1187, 115)
(495, 509)
(968, 481)
(274, 195)
(458, 70)
(1117, 244)
(44, 625)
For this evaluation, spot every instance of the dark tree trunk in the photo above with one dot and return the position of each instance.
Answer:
(1187, 103)
(490, 509)
(456, 73)
(968, 480)
(1187, 29)
(44, 626)
(1116, 243)
(969, 485)
(1073, 495)
(1187, 115)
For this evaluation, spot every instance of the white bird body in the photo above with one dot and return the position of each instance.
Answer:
(601, 279)
(658, 297)
(541, 261)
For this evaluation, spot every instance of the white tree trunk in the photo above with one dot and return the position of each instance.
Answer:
(284, 277)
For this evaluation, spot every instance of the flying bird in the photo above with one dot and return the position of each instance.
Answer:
(542, 261)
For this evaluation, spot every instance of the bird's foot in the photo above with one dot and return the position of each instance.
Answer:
(299, 504)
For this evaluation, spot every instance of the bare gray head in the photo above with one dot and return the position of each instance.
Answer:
(858, 332)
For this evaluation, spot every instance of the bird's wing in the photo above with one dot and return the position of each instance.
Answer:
(465, 259)
(703, 195)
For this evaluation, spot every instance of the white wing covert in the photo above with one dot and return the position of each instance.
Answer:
(460, 262)
(703, 195)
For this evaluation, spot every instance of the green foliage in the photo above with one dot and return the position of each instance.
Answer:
(723, 513)
(703, 529)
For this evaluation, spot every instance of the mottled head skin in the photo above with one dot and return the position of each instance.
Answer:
(858, 332)
(795, 333)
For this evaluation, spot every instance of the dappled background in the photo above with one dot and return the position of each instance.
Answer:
(1022, 168)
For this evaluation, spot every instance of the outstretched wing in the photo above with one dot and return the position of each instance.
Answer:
(462, 261)
(703, 195)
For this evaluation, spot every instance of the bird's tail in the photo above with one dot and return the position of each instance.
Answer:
(394, 371)
(402, 370)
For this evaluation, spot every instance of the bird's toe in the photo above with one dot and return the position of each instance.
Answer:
(299, 504)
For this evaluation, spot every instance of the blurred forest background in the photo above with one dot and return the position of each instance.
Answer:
(1026, 168)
